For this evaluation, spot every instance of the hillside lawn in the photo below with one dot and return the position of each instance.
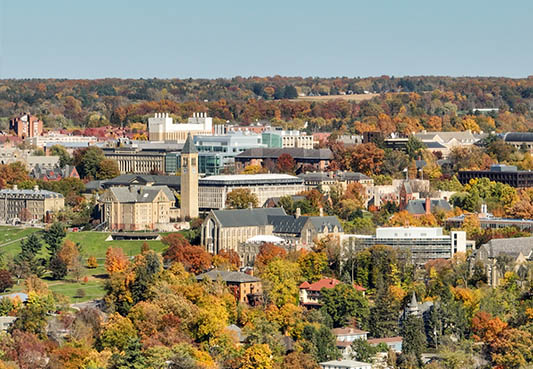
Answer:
(92, 244)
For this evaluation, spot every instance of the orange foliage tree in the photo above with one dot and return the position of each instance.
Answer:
(116, 260)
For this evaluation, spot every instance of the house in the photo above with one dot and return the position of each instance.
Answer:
(136, 208)
(310, 295)
(393, 343)
(345, 364)
(503, 254)
(345, 337)
(246, 288)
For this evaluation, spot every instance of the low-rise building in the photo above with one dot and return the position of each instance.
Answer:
(135, 160)
(26, 205)
(310, 293)
(214, 189)
(504, 254)
(54, 174)
(420, 207)
(489, 221)
(345, 337)
(286, 139)
(507, 174)
(246, 288)
(325, 181)
(345, 364)
(54, 138)
(424, 243)
(319, 159)
(520, 140)
(137, 208)
(393, 343)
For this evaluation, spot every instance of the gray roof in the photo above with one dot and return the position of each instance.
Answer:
(33, 193)
(140, 193)
(510, 246)
(246, 217)
(434, 145)
(326, 221)
(275, 200)
(296, 153)
(140, 179)
(518, 137)
(293, 225)
(188, 147)
(419, 206)
(227, 276)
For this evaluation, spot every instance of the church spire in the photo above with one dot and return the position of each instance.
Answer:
(412, 308)
(188, 146)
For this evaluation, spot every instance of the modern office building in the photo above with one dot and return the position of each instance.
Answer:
(489, 221)
(424, 243)
(214, 189)
(507, 174)
(25, 205)
(162, 128)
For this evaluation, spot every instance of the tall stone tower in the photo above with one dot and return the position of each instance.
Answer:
(189, 180)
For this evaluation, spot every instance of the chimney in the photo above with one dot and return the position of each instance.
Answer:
(428, 205)
(321, 212)
(15, 187)
(36, 188)
(250, 206)
(298, 213)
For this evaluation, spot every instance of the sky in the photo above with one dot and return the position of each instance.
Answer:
(222, 39)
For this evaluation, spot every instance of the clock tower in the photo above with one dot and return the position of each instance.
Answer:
(189, 180)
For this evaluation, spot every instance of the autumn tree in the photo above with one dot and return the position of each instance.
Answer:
(253, 169)
(116, 260)
(257, 357)
(281, 279)
(12, 174)
(342, 303)
(313, 265)
(6, 280)
(241, 198)
(268, 252)
(194, 258)
(286, 163)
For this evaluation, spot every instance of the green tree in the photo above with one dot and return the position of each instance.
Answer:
(57, 267)
(53, 236)
(131, 358)
(414, 338)
(32, 317)
(320, 343)
(312, 265)
(26, 260)
(64, 156)
(344, 302)
(241, 198)
(364, 351)
(107, 169)
(281, 278)
(384, 313)
(145, 272)
(414, 147)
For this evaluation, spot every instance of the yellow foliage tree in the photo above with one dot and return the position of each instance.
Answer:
(257, 357)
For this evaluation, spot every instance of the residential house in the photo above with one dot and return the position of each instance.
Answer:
(393, 343)
(246, 288)
(310, 295)
(345, 337)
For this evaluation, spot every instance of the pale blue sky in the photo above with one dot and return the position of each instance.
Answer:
(166, 39)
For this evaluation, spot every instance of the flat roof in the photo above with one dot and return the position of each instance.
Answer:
(249, 179)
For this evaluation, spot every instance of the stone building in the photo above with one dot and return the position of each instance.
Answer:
(189, 180)
(26, 125)
(135, 160)
(162, 128)
(25, 205)
(137, 208)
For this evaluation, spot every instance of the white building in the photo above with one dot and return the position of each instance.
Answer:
(424, 243)
(59, 139)
(285, 139)
(213, 190)
(345, 364)
(162, 128)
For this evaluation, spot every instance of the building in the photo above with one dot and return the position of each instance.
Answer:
(162, 128)
(55, 174)
(189, 180)
(274, 202)
(172, 182)
(520, 140)
(449, 139)
(9, 154)
(214, 189)
(393, 343)
(503, 254)
(317, 158)
(25, 205)
(345, 337)
(137, 208)
(325, 181)
(137, 161)
(52, 139)
(489, 221)
(345, 364)
(249, 249)
(424, 243)
(26, 125)
(226, 229)
(420, 207)
(246, 288)
(287, 139)
(310, 295)
(507, 174)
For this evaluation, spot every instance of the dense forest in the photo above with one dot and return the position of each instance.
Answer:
(396, 104)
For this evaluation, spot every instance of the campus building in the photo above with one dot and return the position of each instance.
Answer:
(424, 243)
(26, 125)
(317, 158)
(214, 189)
(162, 128)
(135, 160)
(287, 139)
(507, 174)
(25, 205)
(520, 140)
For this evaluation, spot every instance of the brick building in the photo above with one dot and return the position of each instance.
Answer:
(26, 125)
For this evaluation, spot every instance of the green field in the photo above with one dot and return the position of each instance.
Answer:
(92, 244)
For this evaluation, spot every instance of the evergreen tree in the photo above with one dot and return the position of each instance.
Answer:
(384, 314)
(320, 343)
(144, 275)
(57, 267)
(26, 261)
(53, 237)
(342, 303)
(414, 338)
(132, 358)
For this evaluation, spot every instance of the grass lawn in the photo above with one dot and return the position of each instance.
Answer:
(92, 244)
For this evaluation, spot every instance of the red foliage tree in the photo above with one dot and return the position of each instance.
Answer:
(6, 280)
(267, 252)
(285, 163)
(194, 258)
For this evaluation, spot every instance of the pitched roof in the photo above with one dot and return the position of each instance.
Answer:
(375, 341)
(227, 276)
(246, 217)
(328, 222)
(510, 246)
(287, 223)
(145, 194)
(346, 331)
(188, 147)
(323, 283)
(275, 200)
(419, 206)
